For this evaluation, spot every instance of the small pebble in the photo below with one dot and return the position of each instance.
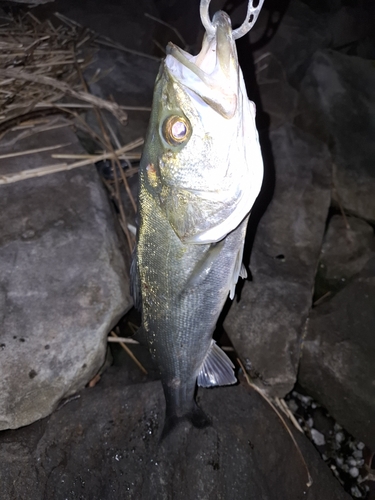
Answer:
(339, 437)
(354, 472)
(293, 407)
(357, 454)
(318, 437)
(355, 492)
(360, 445)
(352, 461)
(310, 422)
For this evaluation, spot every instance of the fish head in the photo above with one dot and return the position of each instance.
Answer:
(202, 158)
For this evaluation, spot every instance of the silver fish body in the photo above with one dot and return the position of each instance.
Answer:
(200, 173)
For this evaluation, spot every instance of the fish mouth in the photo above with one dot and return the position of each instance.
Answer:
(211, 75)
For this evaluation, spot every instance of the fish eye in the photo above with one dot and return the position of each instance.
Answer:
(176, 130)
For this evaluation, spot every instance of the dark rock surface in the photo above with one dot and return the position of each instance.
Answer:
(266, 325)
(337, 364)
(106, 445)
(129, 80)
(279, 98)
(338, 104)
(348, 245)
(63, 280)
(300, 32)
(122, 22)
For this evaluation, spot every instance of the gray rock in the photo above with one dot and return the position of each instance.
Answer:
(130, 81)
(122, 22)
(32, 2)
(279, 99)
(337, 364)
(348, 244)
(266, 325)
(294, 40)
(105, 445)
(338, 105)
(63, 281)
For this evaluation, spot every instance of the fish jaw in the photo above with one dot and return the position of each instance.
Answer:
(213, 73)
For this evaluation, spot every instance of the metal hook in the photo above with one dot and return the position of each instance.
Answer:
(251, 17)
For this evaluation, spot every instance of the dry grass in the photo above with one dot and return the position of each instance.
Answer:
(41, 73)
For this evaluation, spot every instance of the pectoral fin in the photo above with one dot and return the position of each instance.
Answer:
(239, 270)
(204, 266)
(217, 368)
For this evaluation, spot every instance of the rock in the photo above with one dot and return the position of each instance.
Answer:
(129, 80)
(121, 22)
(293, 39)
(267, 323)
(345, 252)
(279, 99)
(63, 280)
(106, 445)
(337, 364)
(33, 3)
(338, 105)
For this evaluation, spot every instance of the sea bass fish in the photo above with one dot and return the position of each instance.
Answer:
(200, 173)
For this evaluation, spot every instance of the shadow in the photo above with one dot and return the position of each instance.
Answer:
(275, 12)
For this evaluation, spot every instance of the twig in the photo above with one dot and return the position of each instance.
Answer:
(59, 167)
(126, 348)
(126, 340)
(33, 151)
(64, 87)
(175, 30)
(259, 391)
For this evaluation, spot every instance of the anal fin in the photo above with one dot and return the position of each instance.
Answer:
(217, 368)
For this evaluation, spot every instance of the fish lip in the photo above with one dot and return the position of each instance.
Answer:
(213, 73)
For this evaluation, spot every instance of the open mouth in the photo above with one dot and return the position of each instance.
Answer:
(213, 73)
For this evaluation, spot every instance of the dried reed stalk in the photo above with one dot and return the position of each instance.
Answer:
(60, 167)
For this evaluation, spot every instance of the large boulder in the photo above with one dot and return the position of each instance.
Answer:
(338, 105)
(105, 445)
(292, 35)
(348, 244)
(337, 364)
(267, 324)
(63, 280)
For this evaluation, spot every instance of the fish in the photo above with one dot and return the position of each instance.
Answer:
(200, 173)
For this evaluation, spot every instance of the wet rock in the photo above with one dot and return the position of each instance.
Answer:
(348, 244)
(266, 325)
(106, 445)
(63, 280)
(337, 364)
(338, 105)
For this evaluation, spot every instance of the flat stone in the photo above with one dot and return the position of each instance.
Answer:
(106, 445)
(338, 105)
(337, 364)
(63, 280)
(267, 323)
